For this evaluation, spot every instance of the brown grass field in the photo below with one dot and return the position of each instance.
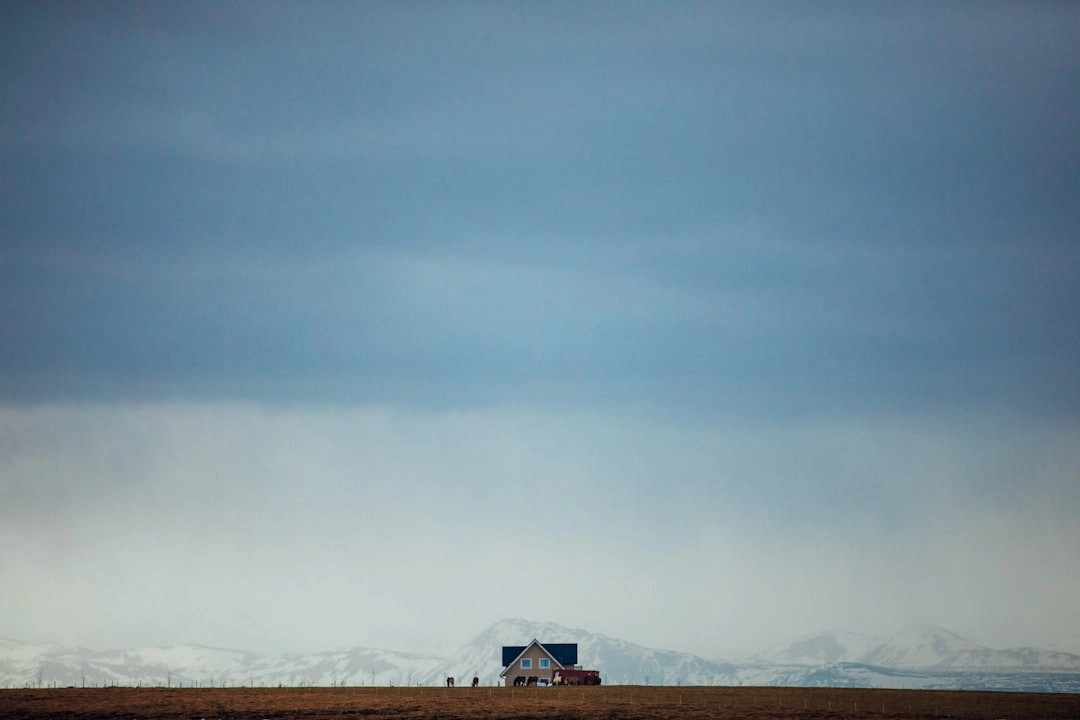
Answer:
(614, 702)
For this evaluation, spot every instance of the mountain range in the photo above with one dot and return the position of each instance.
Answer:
(916, 657)
(918, 646)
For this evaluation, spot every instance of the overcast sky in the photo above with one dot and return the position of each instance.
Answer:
(702, 325)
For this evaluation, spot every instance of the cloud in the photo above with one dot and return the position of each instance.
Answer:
(745, 325)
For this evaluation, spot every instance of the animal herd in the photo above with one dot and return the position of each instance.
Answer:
(450, 682)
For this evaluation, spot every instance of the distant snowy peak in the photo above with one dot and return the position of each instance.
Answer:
(824, 648)
(925, 646)
(928, 646)
(918, 646)
(482, 656)
(516, 631)
(620, 661)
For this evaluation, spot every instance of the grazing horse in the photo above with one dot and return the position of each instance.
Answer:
(475, 681)
(533, 680)
(449, 682)
(519, 681)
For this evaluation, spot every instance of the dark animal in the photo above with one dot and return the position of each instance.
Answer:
(533, 679)
(475, 681)
(519, 681)
(449, 682)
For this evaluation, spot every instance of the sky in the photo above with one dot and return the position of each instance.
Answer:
(702, 325)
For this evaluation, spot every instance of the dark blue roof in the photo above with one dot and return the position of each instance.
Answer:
(510, 652)
(564, 653)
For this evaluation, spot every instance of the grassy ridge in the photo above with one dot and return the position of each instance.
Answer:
(611, 702)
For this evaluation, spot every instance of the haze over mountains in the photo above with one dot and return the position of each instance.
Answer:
(916, 657)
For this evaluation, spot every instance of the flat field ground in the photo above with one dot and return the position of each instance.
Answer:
(602, 703)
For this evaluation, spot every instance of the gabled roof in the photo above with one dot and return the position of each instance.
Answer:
(562, 654)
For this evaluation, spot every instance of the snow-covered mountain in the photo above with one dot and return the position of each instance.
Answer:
(917, 657)
(622, 662)
(824, 648)
(918, 646)
(482, 656)
(24, 664)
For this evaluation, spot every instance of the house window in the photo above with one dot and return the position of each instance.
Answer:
(526, 663)
(545, 664)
